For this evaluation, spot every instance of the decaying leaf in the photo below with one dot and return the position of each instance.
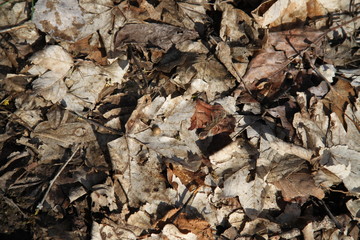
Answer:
(211, 119)
(181, 221)
(299, 186)
(267, 71)
(269, 125)
(282, 12)
(71, 21)
(153, 34)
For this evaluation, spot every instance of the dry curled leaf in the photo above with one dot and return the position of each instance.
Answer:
(211, 119)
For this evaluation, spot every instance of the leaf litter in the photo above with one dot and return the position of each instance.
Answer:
(179, 120)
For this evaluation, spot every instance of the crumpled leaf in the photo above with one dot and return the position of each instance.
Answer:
(325, 130)
(282, 12)
(211, 119)
(176, 220)
(139, 172)
(235, 59)
(267, 70)
(343, 162)
(236, 25)
(112, 230)
(172, 117)
(82, 87)
(172, 232)
(103, 196)
(12, 13)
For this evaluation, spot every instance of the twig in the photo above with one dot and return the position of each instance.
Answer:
(10, 202)
(14, 28)
(335, 221)
(41, 204)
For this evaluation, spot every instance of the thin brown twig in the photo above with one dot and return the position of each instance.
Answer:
(41, 204)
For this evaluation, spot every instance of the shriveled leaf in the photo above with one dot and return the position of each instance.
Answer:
(211, 119)
(103, 197)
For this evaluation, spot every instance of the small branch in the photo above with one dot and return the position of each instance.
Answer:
(41, 204)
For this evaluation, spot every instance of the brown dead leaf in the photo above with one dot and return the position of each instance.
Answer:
(181, 220)
(338, 98)
(199, 227)
(93, 52)
(153, 34)
(299, 186)
(191, 180)
(267, 71)
(294, 40)
(211, 118)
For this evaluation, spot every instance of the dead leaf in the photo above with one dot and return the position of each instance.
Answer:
(299, 186)
(250, 193)
(339, 97)
(191, 180)
(211, 119)
(285, 12)
(153, 34)
(72, 21)
(87, 46)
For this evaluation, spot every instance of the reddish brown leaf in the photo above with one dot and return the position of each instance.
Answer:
(211, 118)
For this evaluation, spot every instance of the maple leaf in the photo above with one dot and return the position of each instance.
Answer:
(211, 119)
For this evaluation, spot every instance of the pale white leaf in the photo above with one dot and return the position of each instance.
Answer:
(50, 86)
(231, 158)
(53, 58)
(67, 20)
(172, 232)
(250, 193)
(343, 162)
(354, 208)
